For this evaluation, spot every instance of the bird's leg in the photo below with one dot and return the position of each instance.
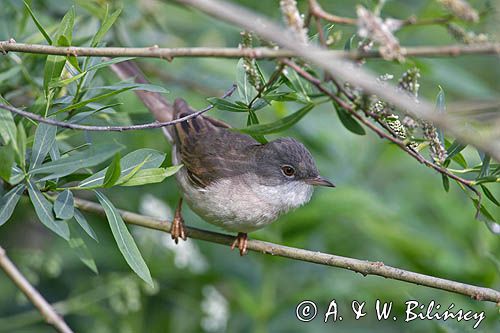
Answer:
(177, 230)
(241, 241)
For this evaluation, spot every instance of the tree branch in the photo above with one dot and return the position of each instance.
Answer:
(45, 309)
(340, 68)
(224, 52)
(63, 124)
(360, 266)
(469, 184)
(316, 10)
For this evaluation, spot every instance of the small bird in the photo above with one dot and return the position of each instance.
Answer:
(231, 180)
(228, 178)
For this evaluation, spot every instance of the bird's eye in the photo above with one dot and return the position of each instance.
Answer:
(288, 170)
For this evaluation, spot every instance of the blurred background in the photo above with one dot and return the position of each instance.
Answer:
(386, 206)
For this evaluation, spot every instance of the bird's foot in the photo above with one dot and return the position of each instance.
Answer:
(241, 241)
(177, 230)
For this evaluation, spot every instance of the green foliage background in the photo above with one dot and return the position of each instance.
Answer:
(386, 206)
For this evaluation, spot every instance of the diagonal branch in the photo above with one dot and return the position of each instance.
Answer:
(360, 266)
(45, 309)
(344, 70)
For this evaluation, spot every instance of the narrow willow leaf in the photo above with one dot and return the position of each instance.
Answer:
(90, 100)
(150, 176)
(21, 145)
(52, 71)
(485, 168)
(446, 182)
(94, 155)
(124, 240)
(483, 214)
(77, 244)
(282, 96)
(43, 209)
(253, 120)
(17, 175)
(455, 148)
(489, 195)
(9, 202)
(142, 158)
(65, 82)
(82, 221)
(349, 122)
(6, 162)
(441, 108)
(459, 158)
(298, 84)
(348, 43)
(108, 63)
(38, 25)
(279, 125)
(223, 105)
(45, 136)
(133, 86)
(64, 205)
(8, 131)
(245, 90)
(113, 172)
(106, 24)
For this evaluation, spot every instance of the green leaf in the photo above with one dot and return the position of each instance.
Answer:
(65, 82)
(150, 176)
(348, 43)
(64, 205)
(43, 209)
(90, 100)
(113, 172)
(105, 26)
(82, 221)
(279, 125)
(6, 162)
(455, 148)
(283, 96)
(485, 168)
(489, 195)
(484, 215)
(53, 68)
(349, 122)
(94, 155)
(17, 175)
(77, 244)
(108, 63)
(446, 182)
(9, 202)
(298, 84)
(134, 86)
(245, 90)
(38, 25)
(142, 158)
(8, 131)
(223, 105)
(441, 108)
(253, 120)
(65, 28)
(21, 145)
(8, 74)
(45, 136)
(125, 242)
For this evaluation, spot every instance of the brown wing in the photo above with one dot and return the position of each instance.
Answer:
(208, 149)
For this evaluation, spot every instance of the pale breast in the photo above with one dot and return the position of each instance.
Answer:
(241, 204)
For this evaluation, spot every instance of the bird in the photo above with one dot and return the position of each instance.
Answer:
(228, 178)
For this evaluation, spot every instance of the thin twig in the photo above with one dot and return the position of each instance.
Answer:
(316, 82)
(253, 53)
(45, 309)
(360, 266)
(316, 10)
(63, 124)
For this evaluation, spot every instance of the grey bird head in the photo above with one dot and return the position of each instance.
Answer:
(286, 160)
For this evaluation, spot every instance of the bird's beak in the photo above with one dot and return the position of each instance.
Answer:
(319, 181)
